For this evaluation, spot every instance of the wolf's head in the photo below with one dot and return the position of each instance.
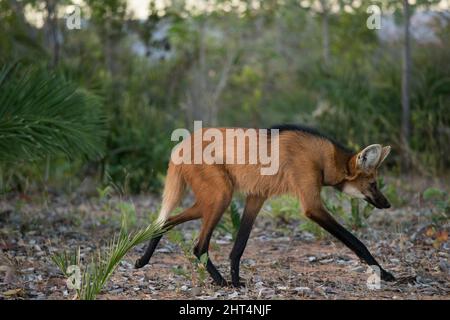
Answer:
(361, 181)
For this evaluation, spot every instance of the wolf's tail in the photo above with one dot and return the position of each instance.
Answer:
(173, 191)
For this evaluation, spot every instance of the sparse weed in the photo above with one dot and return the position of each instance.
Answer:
(95, 275)
(105, 193)
(287, 208)
(360, 211)
(434, 194)
(358, 216)
(313, 228)
(195, 269)
(391, 192)
(64, 260)
(231, 223)
(284, 208)
(441, 201)
(128, 213)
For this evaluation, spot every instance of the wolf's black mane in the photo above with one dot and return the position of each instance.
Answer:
(311, 131)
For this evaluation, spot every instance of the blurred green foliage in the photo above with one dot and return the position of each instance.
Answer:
(42, 114)
(234, 65)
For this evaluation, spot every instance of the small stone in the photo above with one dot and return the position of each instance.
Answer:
(443, 265)
(324, 261)
(282, 239)
(308, 236)
(266, 292)
(10, 275)
(249, 262)
(116, 291)
(330, 291)
(301, 289)
(196, 291)
(222, 242)
(394, 260)
(126, 264)
(359, 269)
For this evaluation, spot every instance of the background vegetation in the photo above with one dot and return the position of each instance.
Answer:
(121, 84)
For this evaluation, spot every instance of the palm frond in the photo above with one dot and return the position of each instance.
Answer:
(43, 114)
(95, 275)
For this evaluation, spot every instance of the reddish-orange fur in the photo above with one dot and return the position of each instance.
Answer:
(307, 162)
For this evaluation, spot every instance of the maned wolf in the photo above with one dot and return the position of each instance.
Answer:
(307, 162)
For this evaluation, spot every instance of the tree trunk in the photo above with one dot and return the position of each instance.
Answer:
(325, 33)
(406, 78)
(53, 31)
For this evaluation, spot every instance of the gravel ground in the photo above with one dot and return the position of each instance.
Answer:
(280, 261)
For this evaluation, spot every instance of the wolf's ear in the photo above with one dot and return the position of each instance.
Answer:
(369, 158)
(384, 153)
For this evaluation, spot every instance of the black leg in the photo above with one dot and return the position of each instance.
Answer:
(252, 207)
(200, 250)
(209, 223)
(142, 261)
(187, 215)
(326, 221)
